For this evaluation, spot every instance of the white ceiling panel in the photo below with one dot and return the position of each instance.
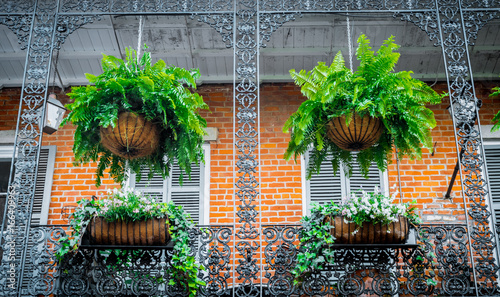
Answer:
(299, 44)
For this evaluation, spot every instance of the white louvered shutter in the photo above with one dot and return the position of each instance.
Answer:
(189, 195)
(156, 187)
(43, 185)
(358, 182)
(493, 163)
(325, 186)
(41, 204)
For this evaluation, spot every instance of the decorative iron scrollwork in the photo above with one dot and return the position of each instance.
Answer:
(270, 22)
(20, 25)
(447, 24)
(474, 21)
(426, 21)
(136, 272)
(69, 24)
(465, 108)
(280, 255)
(222, 23)
(13, 7)
(84, 5)
(246, 142)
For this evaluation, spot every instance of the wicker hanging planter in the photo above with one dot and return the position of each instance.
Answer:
(133, 136)
(146, 233)
(369, 233)
(362, 132)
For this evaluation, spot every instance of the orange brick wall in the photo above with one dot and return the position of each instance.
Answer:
(425, 180)
(9, 106)
(220, 116)
(281, 185)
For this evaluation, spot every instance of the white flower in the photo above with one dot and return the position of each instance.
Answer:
(394, 194)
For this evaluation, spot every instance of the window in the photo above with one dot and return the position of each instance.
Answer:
(193, 195)
(43, 186)
(325, 186)
(492, 154)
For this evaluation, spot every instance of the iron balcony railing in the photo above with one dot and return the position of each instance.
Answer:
(438, 265)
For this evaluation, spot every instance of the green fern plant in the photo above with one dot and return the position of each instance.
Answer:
(396, 98)
(496, 118)
(160, 93)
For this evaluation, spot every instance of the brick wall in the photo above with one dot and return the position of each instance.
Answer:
(9, 106)
(425, 180)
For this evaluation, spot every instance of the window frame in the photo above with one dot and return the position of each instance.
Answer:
(344, 181)
(492, 140)
(204, 188)
(7, 152)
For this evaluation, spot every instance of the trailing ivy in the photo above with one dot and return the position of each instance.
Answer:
(128, 205)
(496, 118)
(316, 250)
(396, 98)
(158, 92)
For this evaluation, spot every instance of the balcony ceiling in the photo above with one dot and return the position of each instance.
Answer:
(298, 44)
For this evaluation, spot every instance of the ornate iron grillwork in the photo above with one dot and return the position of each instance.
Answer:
(132, 272)
(381, 270)
(246, 24)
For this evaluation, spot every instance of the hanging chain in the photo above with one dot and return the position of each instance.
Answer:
(139, 39)
(349, 43)
(399, 176)
(55, 72)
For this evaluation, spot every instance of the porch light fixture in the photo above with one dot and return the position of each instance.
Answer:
(54, 113)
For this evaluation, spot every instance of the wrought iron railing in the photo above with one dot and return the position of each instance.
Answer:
(246, 25)
(122, 272)
(438, 265)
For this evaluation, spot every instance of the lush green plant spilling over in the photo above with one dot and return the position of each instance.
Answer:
(374, 89)
(157, 92)
(129, 205)
(372, 207)
(496, 118)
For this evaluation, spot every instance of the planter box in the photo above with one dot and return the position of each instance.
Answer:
(369, 233)
(362, 132)
(132, 137)
(145, 233)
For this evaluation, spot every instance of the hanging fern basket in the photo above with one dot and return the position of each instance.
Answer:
(132, 137)
(362, 132)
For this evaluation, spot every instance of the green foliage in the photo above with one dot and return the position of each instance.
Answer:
(315, 239)
(158, 92)
(128, 205)
(496, 118)
(374, 89)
